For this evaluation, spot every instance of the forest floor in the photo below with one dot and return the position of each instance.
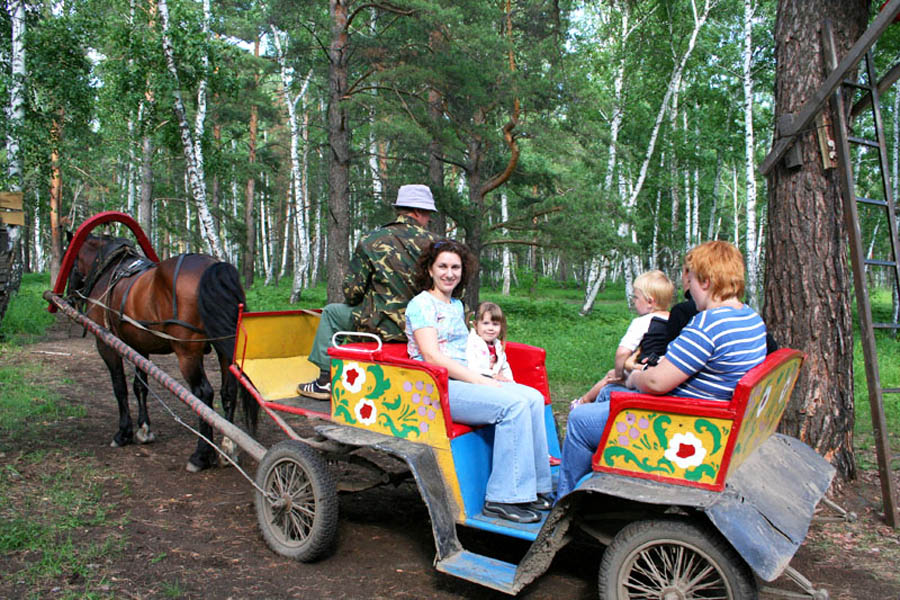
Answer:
(168, 533)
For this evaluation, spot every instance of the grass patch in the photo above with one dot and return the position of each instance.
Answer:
(888, 349)
(50, 517)
(26, 317)
(26, 406)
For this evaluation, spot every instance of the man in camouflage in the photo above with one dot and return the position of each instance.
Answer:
(378, 285)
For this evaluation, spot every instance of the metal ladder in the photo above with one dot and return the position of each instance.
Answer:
(843, 140)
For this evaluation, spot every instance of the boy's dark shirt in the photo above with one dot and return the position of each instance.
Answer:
(683, 312)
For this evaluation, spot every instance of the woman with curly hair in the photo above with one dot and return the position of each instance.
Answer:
(520, 484)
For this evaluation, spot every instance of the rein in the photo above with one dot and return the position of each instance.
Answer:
(143, 324)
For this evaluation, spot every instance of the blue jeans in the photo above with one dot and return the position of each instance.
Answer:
(520, 468)
(583, 433)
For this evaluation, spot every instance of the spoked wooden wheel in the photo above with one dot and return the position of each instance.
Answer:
(298, 509)
(673, 560)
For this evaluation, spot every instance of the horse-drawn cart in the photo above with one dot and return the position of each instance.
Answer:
(692, 499)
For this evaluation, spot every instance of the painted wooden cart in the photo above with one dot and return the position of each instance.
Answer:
(692, 498)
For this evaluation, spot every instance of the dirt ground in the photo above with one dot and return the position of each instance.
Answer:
(195, 535)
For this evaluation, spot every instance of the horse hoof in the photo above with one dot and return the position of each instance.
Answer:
(144, 435)
(192, 468)
(231, 450)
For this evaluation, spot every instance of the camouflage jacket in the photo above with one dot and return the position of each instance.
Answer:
(380, 280)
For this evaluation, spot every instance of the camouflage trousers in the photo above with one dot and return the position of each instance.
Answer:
(335, 317)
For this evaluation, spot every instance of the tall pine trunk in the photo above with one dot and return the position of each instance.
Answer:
(55, 197)
(248, 259)
(807, 278)
(338, 256)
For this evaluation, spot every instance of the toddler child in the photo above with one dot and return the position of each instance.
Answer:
(652, 296)
(485, 352)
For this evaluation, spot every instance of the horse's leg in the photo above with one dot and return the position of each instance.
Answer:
(192, 369)
(125, 434)
(139, 387)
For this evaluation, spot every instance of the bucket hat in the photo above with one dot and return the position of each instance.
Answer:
(415, 196)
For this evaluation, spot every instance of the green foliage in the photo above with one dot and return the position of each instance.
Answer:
(27, 317)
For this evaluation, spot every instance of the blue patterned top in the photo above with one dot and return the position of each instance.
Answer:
(448, 319)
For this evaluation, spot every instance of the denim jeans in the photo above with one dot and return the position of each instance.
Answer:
(335, 317)
(583, 433)
(521, 466)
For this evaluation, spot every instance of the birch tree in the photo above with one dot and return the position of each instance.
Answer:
(700, 16)
(193, 163)
(301, 261)
(10, 269)
(750, 249)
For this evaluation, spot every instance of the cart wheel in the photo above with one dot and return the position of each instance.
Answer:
(673, 560)
(299, 511)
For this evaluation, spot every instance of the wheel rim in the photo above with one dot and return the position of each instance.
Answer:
(671, 570)
(290, 502)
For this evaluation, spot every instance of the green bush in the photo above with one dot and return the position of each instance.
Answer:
(26, 317)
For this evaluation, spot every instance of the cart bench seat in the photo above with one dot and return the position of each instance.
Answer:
(272, 351)
(526, 362)
(692, 442)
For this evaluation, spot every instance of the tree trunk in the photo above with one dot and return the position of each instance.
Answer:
(504, 216)
(751, 256)
(435, 148)
(338, 256)
(193, 163)
(248, 261)
(55, 199)
(807, 279)
(249, 258)
(145, 208)
(10, 266)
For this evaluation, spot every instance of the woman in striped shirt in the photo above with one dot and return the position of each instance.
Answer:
(719, 345)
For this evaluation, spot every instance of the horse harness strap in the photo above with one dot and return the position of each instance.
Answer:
(137, 266)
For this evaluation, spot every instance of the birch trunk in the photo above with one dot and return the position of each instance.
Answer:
(672, 91)
(895, 166)
(10, 265)
(598, 279)
(593, 284)
(504, 216)
(735, 211)
(193, 167)
(751, 255)
(298, 134)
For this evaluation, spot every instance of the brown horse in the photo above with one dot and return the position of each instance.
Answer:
(187, 304)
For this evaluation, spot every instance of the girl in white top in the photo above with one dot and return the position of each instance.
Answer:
(485, 352)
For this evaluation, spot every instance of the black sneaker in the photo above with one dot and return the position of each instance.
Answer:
(314, 389)
(518, 513)
(543, 502)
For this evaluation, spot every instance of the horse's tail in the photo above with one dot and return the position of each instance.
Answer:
(218, 296)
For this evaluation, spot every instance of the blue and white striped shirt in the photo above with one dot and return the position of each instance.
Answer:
(716, 348)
